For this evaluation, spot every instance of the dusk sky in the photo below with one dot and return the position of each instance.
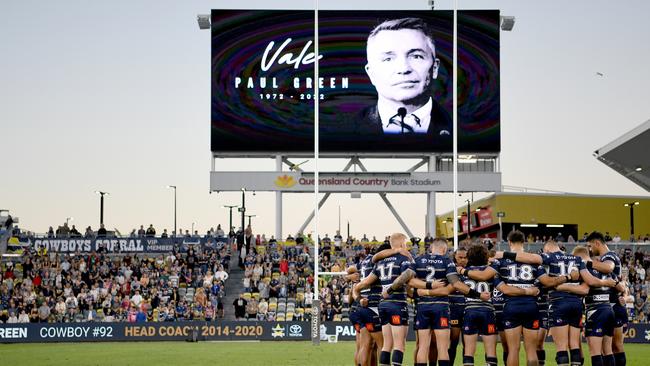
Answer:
(115, 96)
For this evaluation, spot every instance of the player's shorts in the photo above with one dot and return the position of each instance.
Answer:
(565, 312)
(620, 314)
(355, 319)
(481, 321)
(498, 315)
(393, 313)
(456, 315)
(543, 315)
(600, 321)
(369, 319)
(516, 313)
(432, 316)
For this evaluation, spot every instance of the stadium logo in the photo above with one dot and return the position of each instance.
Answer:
(285, 181)
(295, 331)
(278, 331)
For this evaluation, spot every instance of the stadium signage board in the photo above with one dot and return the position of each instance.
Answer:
(355, 182)
(263, 83)
(206, 331)
(124, 245)
(152, 331)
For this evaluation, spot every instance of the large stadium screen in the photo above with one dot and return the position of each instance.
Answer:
(385, 81)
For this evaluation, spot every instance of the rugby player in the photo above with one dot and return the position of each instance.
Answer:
(363, 312)
(608, 262)
(456, 308)
(479, 317)
(392, 310)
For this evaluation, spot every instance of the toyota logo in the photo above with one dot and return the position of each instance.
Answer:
(295, 329)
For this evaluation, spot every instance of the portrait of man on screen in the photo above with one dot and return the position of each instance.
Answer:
(401, 65)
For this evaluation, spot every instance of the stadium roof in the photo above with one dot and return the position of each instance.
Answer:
(630, 155)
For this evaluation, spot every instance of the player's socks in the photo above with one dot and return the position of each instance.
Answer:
(562, 358)
(443, 363)
(491, 361)
(576, 358)
(620, 359)
(597, 360)
(398, 357)
(468, 360)
(541, 357)
(384, 358)
(609, 360)
(452, 351)
(505, 357)
(420, 364)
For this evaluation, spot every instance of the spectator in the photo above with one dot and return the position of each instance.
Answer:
(240, 307)
(151, 232)
(262, 309)
(251, 309)
(101, 233)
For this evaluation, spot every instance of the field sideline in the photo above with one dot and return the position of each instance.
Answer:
(222, 353)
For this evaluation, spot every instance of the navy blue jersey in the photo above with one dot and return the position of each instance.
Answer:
(520, 275)
(598, 295)
(387, 270)
(560, 264)
(498, 298)
(616, 273)
(373, 293)
(430, 267)
(480, 286)
(457, 298)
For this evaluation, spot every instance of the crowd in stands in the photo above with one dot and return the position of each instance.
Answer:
(190, 283)
(53, 287)
(278, 280)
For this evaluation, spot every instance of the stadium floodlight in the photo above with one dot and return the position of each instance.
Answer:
(204, 21)
(68, 219)
(101, 206)
(230, 207)
(174, 187)
(528, 225)
(249, 219)
(507, 22)
(638, 169)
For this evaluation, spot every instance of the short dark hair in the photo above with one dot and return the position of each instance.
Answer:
(596, 235)
(516, 236)
(383, 247)
(405, 23)
(477, 255)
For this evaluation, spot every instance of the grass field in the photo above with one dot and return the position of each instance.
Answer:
(221, 353)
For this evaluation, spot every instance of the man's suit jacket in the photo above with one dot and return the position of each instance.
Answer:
(440, 132)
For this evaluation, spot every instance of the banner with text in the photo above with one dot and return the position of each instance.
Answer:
(418, 182)
(126, 245)
(176, 331)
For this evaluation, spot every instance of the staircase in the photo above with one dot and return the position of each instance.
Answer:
(234, 286)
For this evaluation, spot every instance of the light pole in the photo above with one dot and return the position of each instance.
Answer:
(230, 207)
(68, 219)
(174, 187)
(242, 209)
(631, 206)
(101, 206)
(249, 218)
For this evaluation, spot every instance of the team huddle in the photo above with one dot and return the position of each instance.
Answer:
(513, 295)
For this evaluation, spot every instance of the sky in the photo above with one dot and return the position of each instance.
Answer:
(115, 96)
